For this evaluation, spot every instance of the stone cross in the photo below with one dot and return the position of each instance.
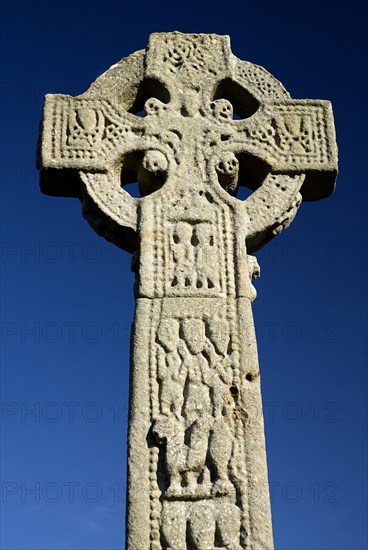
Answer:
(191, 123)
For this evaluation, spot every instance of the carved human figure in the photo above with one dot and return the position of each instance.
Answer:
(220, 443)
(169, 427)
(224, 396)
(170, 373)
(207, 257)
(197, 412)
(197, 408)
(218, 335)
(183, 255)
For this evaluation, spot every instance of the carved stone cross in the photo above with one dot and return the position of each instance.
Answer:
(191, 122)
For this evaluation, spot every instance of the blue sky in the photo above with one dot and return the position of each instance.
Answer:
(67, 299)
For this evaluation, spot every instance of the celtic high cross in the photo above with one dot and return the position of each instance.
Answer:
(191, 122)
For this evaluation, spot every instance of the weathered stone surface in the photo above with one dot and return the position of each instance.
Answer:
(191, 122)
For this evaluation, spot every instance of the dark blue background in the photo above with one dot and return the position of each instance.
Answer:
(67, 294)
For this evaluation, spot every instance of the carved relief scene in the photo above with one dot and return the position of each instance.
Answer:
(197, 428)
(195, 256)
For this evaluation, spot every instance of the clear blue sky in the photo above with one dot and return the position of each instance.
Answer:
(67, 299)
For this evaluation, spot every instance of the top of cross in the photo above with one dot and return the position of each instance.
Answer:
(187, 107)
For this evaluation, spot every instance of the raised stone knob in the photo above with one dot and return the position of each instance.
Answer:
(152, 172)
(228, 169)
(222, 110)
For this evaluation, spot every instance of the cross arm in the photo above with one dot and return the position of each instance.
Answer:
(82, 134)
(294, 142)
(294, 137)
(82, 145)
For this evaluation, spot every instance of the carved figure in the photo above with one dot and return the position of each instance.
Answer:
(170, 373)
(207, 257)
(183, 255)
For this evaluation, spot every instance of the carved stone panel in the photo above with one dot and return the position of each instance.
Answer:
(204, 429)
